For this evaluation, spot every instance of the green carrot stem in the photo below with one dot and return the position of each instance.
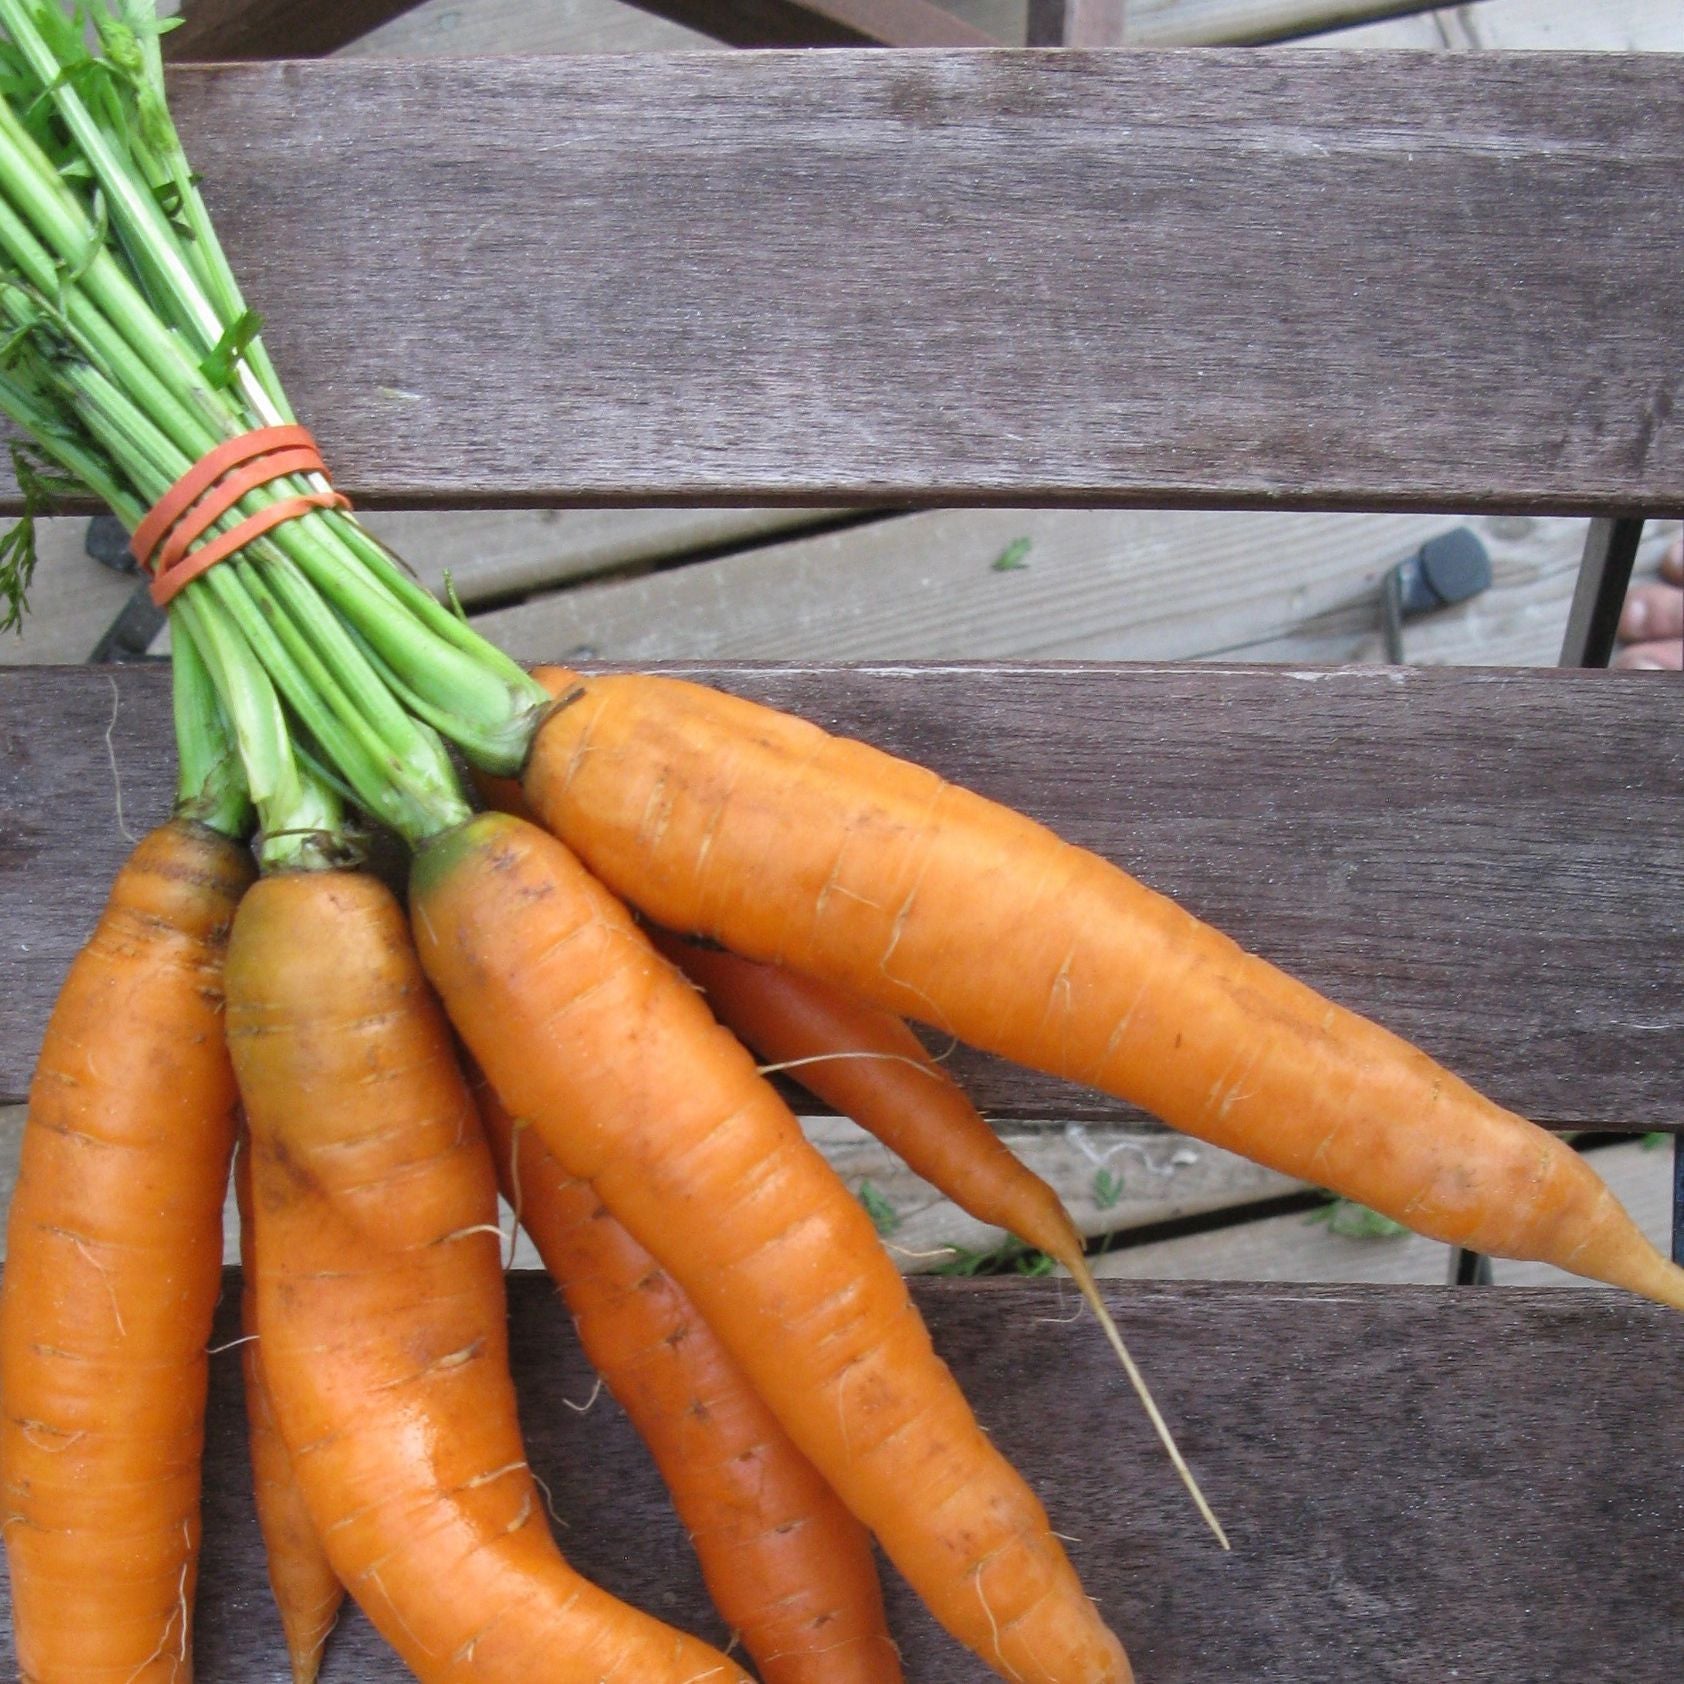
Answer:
(132, 204)
(301, 820)
(204, 246)
(210, 785)
(133, 353)
(62, 224)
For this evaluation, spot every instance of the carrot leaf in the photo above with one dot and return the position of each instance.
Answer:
(884, 1217)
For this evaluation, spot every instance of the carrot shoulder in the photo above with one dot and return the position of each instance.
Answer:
(788, 1566)
(113, 1267)
(727, 819)
(588, 1034)
(381, 1313)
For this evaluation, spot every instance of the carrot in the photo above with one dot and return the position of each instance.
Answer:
(723, 818)
(306, 1588)
(587, 1033)
(113, 1267)
(785, 1563)
(867, 1064)
(381, 1311)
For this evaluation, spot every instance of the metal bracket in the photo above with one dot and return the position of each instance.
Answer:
(1678, 1198)
(128, 637)
(1604, 576)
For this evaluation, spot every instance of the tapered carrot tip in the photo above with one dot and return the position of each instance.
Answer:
(1667, 1287)
(1624, 1257)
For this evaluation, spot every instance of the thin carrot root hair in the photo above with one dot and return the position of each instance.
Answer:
(1082, 1275)
(923, 1069)
(516, 1197)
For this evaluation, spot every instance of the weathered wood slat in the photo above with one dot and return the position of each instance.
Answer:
(704, 278)
(1486, 861)
(1343, 1434)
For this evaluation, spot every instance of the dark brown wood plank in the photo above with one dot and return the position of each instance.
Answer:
(274, 29)
(1381, 1457)
(1351, 280)
(1485, 861)
(821, 23)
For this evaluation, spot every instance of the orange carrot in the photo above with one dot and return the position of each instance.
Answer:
(868, 1065)
(785, 1563)
(307, 1590)
(610, 1054)
(381, 1311)
(723, 818)
(113, 1267)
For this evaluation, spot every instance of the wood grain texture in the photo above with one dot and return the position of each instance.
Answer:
(1485, 861)
(1375, 1452)
(1455, 281)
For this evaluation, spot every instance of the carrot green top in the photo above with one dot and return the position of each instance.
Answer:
(130, 356)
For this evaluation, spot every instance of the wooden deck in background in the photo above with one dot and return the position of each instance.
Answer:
(975, 584)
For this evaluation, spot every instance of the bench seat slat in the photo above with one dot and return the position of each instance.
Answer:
(1486, 861)
(1421, 1483)
(1382, 281)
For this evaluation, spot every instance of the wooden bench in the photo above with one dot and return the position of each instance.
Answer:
(1189, 279)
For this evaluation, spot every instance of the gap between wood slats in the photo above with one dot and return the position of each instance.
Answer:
(1077, 585)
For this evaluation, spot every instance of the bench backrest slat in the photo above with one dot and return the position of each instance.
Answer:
(1319, 279)
(1456, 853)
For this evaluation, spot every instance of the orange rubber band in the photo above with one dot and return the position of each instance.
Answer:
(163, 542)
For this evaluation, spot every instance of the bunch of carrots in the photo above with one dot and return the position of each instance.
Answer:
(671, 891)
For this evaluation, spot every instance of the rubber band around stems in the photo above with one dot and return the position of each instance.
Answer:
(164, 541)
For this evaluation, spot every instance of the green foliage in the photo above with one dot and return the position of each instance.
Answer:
(1107, 1189)
(1011, 1258)
(42, 485)
(885, 1218)
(1352, 1221)
(222, 364)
